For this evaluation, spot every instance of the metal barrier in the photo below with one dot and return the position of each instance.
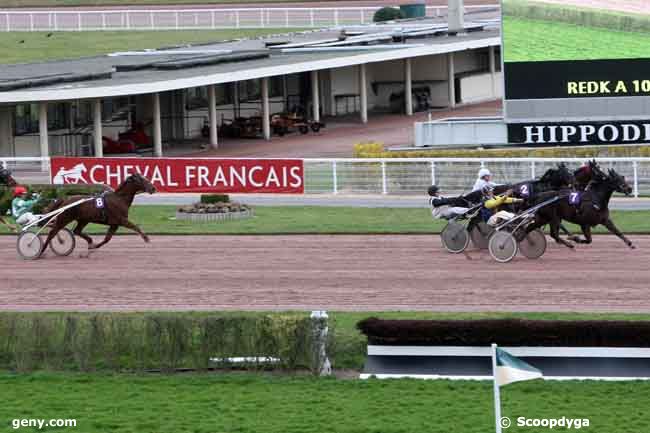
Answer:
(404, 176)
(193, 19)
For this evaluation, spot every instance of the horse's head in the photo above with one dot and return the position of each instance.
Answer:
(558, 177)
(140, 183)
(618, 182)
(6, 178)
(597, 173)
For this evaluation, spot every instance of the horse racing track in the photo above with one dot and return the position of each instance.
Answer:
(332, 272)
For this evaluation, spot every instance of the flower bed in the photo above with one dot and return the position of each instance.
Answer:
(209, 212)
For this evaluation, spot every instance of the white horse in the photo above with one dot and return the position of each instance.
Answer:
(74, 175)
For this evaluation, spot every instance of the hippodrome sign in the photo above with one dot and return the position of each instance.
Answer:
(208, 175)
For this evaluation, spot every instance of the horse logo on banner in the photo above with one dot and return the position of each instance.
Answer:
(74, 175)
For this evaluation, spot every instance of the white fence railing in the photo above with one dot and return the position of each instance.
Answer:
(193, 19)
(403, 176)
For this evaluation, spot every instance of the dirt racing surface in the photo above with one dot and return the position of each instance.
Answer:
(330, 272)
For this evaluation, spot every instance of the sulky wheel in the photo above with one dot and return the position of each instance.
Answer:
(315, 127)
(63, 243)
(533, 245)
(455, 238)
(29, 245)
(304, 129)
(480, 235)
(502, 246)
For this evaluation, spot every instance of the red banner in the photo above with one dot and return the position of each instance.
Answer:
(186, 175)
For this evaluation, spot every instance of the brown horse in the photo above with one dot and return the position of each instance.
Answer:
(111, 208)
(6, 194)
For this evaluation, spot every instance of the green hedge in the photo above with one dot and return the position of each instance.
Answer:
(376, 150)
(387, 14)
(142, 342)
(214, 198)
(624, 22)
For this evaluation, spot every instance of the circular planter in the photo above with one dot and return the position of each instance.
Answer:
(213, 212)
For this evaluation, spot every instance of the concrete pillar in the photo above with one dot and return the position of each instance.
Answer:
(157, 130)
(451, 81)
(266, 121)
(363, 93)
(493, 71)
(408, 87)
(7, 130)
(235, 100)
(97, 128)
(42, 129)
(315, 95)
(212, 109)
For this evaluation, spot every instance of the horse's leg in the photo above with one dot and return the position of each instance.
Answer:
(109, 234)
(555, 232)
(612, 228)
(129, 225)
(565, 230)
(586, 231)
(59, 223)
(78, 231)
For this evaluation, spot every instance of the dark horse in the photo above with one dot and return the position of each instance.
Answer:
(6, 194)
(587, 208)
(553, 179)
(110, 208)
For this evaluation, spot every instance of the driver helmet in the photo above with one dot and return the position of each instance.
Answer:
(433, 190)
(484, 172)
(487, 190)
(19, 190)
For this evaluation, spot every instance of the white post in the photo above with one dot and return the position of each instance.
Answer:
(408, 87)
(363, 93)
(7, 16)
(151, 20)
(493, 71)
(56, 23)
(315, 96)
(532, 169)
(236, 19)
(286, 17)
(635, 165)
(212, 20)
(103, 20)
(497, 396)
(157, 131)
(335, 181)
(79, 21)
(31, 22)
(362, 16)
(384, 184)
(97, 128)
(433, 173)
(262, 18)
(336, 17)
(320, 331)
(311, 17)
(212, 109)
(42, 132)
(266, 123)
(451, 80)
(176, 20)
(128, 20)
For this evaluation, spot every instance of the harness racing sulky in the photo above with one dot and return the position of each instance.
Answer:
(507, 219)
(38, 231)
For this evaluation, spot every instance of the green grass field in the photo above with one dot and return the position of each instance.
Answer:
(271, 404)
(36, 46)
(322, 220)
(535, 40)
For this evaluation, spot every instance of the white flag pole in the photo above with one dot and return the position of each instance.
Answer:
(497, 396)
